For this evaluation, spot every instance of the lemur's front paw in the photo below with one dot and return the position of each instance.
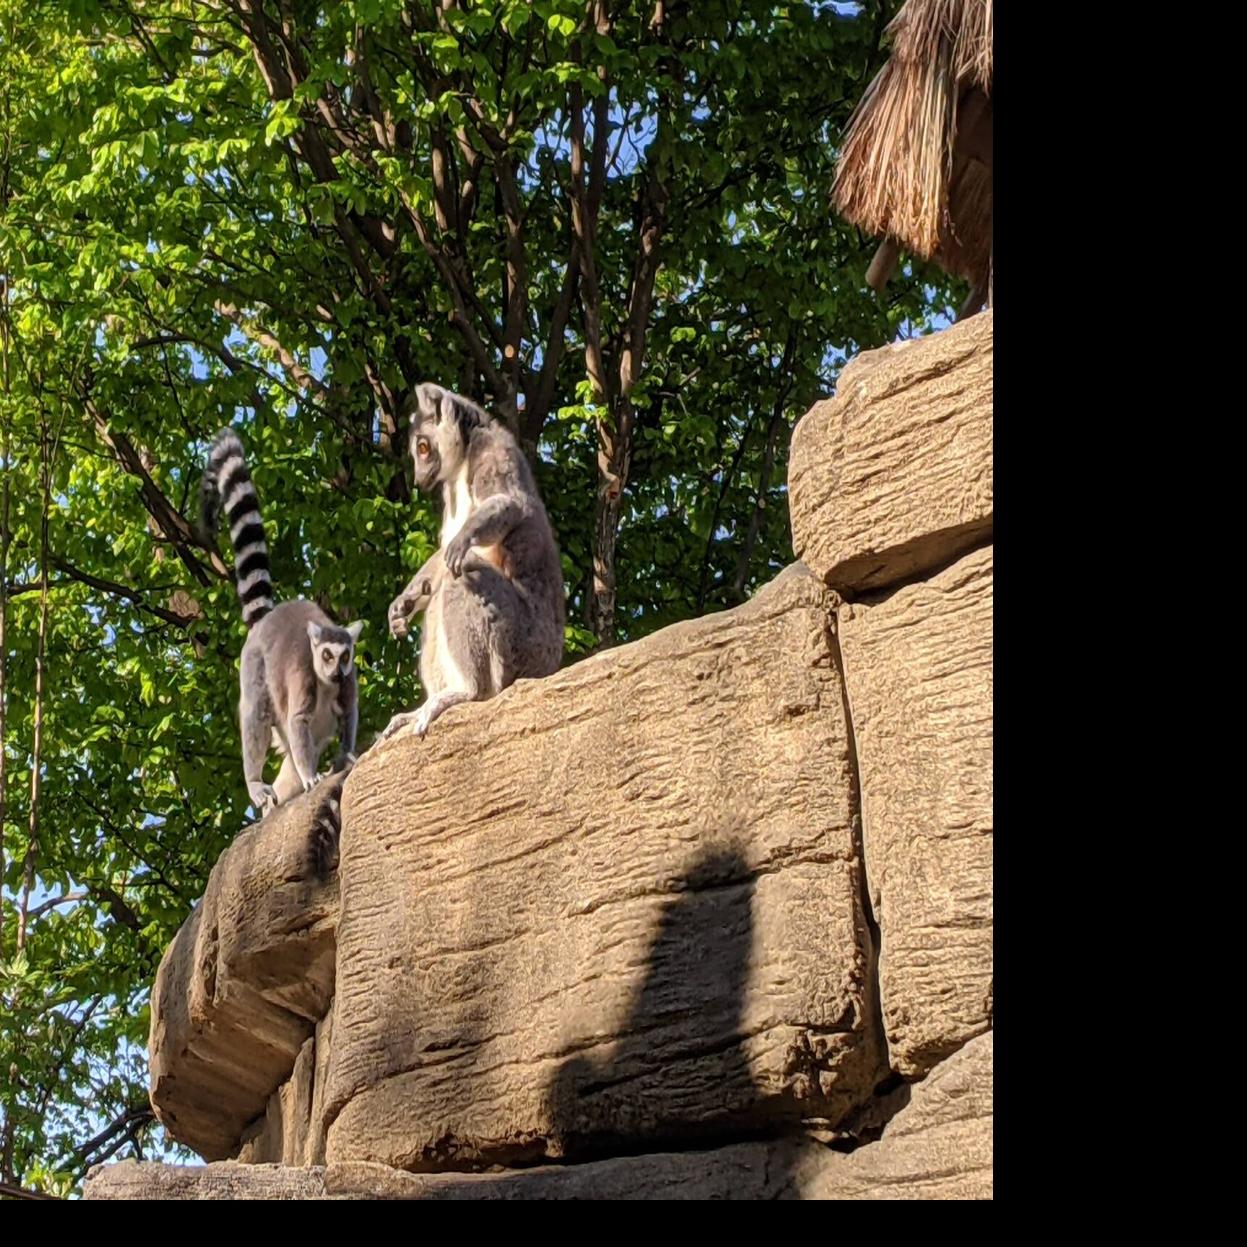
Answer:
(309, 784)
(343, 762)
(423, 719)
(456, 552)
(399, 617)
(264, 798)
(397, 722)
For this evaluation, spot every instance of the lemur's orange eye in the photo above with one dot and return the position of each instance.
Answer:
(422, 447)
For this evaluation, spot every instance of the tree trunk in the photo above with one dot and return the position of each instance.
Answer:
(615, 438)
(6, 468)
(32, 843)
(614, 461)
(768, 462)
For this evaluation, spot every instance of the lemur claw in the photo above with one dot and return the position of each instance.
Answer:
(397, 722)
(264, 799)
(399, 616)
(456, 553)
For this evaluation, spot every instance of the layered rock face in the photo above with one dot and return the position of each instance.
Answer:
(705, 916)
(243, 984)
(893, 477)
(937, 1145)
(638, 914)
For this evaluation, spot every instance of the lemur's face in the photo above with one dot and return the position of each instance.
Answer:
(440, 425)
(333, 651)
(434, 452)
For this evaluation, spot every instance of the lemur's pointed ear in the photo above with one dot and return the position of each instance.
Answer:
(314, 632)
(467, 415)
(355, 629)
(429, 399)
(449, 407)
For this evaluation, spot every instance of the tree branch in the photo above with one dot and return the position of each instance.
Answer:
(616, 431)
(117, 906)
(11, 1191)
(584, 228)
(68, 899)
(49, 1083)
(460, 298)
(120, 591)
(542, 394)
(768, 460)
(19, 587)
(29, 865)
(257, 333)
(172, 524)
(130, 1117)
(703, 585)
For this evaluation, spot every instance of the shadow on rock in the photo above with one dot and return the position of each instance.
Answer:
(683, 1045)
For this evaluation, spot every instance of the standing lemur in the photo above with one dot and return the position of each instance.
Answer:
(298, 681)
(493, 593)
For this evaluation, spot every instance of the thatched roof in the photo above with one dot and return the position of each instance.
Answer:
(916, 158)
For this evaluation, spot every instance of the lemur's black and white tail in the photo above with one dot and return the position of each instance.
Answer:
(326, 828)
(227, 488)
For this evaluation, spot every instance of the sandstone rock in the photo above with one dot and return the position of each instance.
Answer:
(918, 666)
(131, 1179)
(280, 1136)
(893, 476)
(292, 1130)
(243, 984)
(938, 1145)
(621, 905)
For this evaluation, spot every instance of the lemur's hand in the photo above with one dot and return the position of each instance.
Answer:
(400, 615)
(398, 721)
(456, 552)
(263, 797)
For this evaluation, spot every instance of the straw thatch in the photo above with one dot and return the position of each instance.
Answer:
(916, 158)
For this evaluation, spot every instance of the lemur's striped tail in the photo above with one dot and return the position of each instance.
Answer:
(326, 828)
(227, 488)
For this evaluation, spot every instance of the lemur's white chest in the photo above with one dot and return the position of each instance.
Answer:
(456, 505)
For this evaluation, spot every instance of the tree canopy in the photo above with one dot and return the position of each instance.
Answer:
(608, 222)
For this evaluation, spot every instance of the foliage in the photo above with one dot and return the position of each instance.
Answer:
(608, 222)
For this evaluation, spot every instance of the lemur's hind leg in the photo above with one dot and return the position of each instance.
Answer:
(288, 783)
(479, 614)
(255, 716)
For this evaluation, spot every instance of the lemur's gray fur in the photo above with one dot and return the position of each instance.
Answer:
(298, 685)
(493, 593)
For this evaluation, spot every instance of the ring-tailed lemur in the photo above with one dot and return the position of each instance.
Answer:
(298, 681)
(493, 593)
